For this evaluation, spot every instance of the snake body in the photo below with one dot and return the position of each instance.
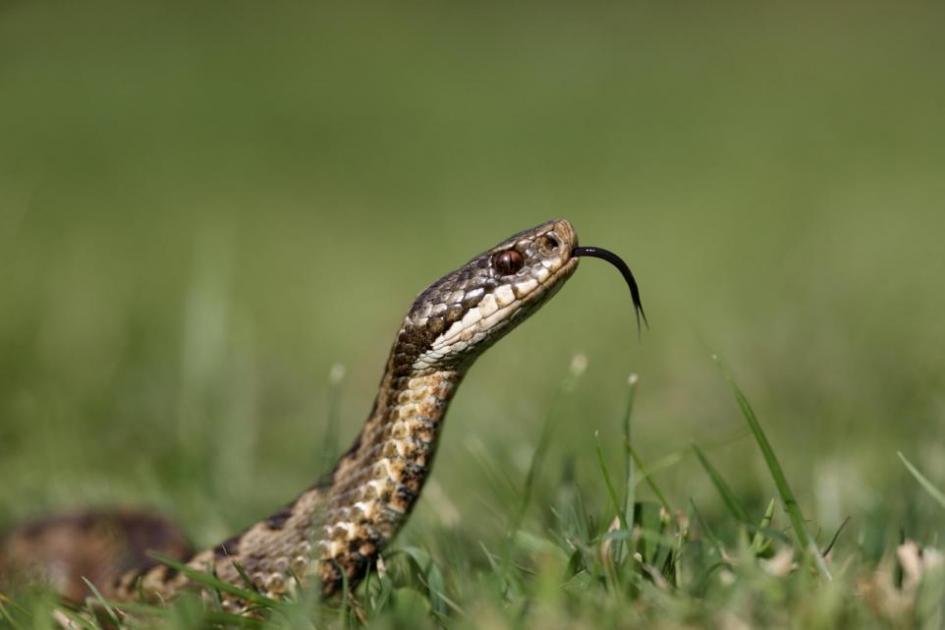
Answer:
(333, 532)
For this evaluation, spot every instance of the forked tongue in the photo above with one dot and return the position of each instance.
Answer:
(618, 262)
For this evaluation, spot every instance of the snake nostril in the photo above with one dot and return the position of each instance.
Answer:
(549, 243)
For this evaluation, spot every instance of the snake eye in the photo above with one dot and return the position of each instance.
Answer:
(508, 262)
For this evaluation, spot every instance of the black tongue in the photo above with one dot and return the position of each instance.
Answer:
(618, 262)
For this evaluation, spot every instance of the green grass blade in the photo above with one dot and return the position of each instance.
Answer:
(5, 614)
(544, 441)
(552, 417)
(328, 446)
(628, 491)
(923, 481)
(213, 582)
(615, 554)
(728, 497)
(759, 543)
(248, 581)
(611, 491)
(777, 473)
(707, 531)
(648, 477)
(836, 537)
(101, 602)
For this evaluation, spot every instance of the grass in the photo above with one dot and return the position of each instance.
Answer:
(206, 211)
(929, 487)
(610, 562)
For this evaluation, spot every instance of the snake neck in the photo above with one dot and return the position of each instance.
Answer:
(376, 483)
(397, 441)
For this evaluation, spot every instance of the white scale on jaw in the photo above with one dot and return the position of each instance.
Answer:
(473, 326)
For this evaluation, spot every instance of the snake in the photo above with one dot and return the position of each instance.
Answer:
(333, 533)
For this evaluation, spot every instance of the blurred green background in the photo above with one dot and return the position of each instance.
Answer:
(204, 208)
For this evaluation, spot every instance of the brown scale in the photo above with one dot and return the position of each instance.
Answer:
(342, 523)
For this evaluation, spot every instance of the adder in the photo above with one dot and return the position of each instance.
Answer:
(334, 531)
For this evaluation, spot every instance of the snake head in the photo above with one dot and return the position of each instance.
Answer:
(469, 309)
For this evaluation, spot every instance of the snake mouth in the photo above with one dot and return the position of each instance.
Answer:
(624, 268)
